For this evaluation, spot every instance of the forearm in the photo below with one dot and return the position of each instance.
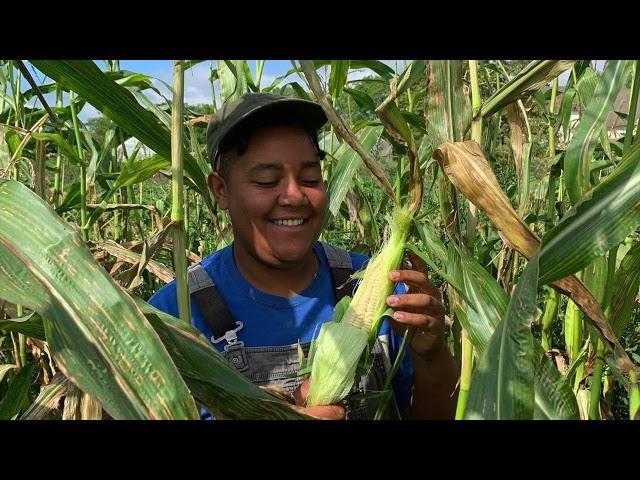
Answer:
(435, 391)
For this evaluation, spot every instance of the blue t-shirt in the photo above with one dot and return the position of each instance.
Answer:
(270, 320)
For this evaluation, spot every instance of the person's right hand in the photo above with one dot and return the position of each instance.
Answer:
(323, 412)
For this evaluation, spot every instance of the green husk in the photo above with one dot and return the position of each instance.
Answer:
(342, 342)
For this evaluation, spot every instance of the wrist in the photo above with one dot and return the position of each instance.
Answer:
(437, 351)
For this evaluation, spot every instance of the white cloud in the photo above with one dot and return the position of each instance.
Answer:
(197, 84)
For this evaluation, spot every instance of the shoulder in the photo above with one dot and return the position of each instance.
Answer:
(165, 298)
(211, 261)
(357, 260)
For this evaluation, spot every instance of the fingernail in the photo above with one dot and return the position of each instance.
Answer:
(398, 316)
(392, 300)
(395, 275)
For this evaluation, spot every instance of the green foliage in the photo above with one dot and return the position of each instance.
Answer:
(360, 223)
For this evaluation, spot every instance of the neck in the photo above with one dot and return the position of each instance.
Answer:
(284, 282)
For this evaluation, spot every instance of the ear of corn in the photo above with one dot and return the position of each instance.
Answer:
(338, 349)
(341, 342)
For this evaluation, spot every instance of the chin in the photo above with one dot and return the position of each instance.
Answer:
(290, 255)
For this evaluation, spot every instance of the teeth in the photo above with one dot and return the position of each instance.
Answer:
(289, 222)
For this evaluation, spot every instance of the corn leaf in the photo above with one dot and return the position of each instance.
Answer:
(625, 290)
(298, 90)
(362, 99)
(465, 165)
(69, 151)
(382, 69)
(553, 396)
(533, 77)
(6, 368)
(502, 387)
(348, 164)
(601, 220)
(136, 172)
(17, 392)
(577, 158)
(395, 123)
(413, 74)
(71, 198)
(447, 113)
(338, 77)
(586, 86)
(48, 398)
(489, 299)
(233, 81)
(120, 105)
(213, 381)
(29, 325)
(554, 399)
(431, 239)
(97, 335)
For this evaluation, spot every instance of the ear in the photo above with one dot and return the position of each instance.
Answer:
(219, 188)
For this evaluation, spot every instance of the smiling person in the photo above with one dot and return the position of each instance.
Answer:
(265, 295)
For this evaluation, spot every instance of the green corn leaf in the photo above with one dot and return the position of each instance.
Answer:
(348, 164)
(29, 325)
(625, 290)
(120, 105)
(502, 386)
(97, 335)
(533, 77)
(577, 159)
(601, 220)
(338, 77)
(17, 393)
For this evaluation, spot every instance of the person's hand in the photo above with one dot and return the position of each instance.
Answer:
(420, 309)
(323, 412)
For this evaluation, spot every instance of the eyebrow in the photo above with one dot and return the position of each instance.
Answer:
(261, 167)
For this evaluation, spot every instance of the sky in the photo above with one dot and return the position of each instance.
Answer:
(198, 87)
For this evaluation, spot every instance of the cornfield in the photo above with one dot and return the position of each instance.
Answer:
(529, 207)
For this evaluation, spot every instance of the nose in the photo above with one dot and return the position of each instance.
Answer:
(292, 194)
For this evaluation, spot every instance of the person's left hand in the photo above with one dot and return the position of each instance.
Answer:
(321, 412)
(421, 309)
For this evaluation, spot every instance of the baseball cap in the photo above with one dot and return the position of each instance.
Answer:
(254, 107)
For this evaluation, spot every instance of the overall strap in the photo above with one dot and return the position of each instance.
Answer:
(215, 313)
(341, 268)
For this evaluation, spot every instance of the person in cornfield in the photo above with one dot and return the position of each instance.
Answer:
(267, 293)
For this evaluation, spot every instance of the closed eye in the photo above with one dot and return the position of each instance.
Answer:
(312, 182)
(267, 184)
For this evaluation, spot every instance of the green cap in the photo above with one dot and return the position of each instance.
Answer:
(260, 105)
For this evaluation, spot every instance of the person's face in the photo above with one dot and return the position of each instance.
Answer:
(275, 196)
